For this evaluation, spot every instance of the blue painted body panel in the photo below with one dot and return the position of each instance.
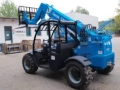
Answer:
(97, 48)
(100, 61)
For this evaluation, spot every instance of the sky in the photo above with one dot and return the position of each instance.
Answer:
(103, 9)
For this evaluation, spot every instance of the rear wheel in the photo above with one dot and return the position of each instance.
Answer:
(106, 71)
(78, 77)
(29, 64)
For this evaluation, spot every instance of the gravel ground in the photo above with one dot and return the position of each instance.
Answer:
(13, 77)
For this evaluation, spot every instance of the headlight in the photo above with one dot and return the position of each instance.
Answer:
(109, 63)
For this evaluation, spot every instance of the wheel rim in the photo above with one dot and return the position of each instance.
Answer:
(26, 64)
(74, 75)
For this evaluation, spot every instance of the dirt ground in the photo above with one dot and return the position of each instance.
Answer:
(13, 77)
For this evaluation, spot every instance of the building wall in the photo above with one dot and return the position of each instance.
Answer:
(85, 19)
(18, 37)
(2, 39)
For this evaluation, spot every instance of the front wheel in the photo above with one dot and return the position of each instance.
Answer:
(29, 64)
(78, 76)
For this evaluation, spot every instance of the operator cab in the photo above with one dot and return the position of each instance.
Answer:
(55, 51)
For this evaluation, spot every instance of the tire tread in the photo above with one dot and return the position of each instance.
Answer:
(33, 68)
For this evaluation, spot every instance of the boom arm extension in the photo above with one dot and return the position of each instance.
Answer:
(52, 13)
(105, 23)
(40, 14)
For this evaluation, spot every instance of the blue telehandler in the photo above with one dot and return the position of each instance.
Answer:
(79, 49)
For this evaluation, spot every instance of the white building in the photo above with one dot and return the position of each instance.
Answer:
(8, 33)
(85, 19)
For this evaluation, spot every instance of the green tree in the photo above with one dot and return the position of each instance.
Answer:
(81, 10)
(118, 9)
(8, 9)
(116, 25)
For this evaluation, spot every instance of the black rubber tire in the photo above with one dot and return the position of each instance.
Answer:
(106, 71)
(86, 73)
(33, 68)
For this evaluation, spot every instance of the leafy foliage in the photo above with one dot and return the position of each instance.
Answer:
(80, 10)
(8, 9)
(118, 9)
(116, 25)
